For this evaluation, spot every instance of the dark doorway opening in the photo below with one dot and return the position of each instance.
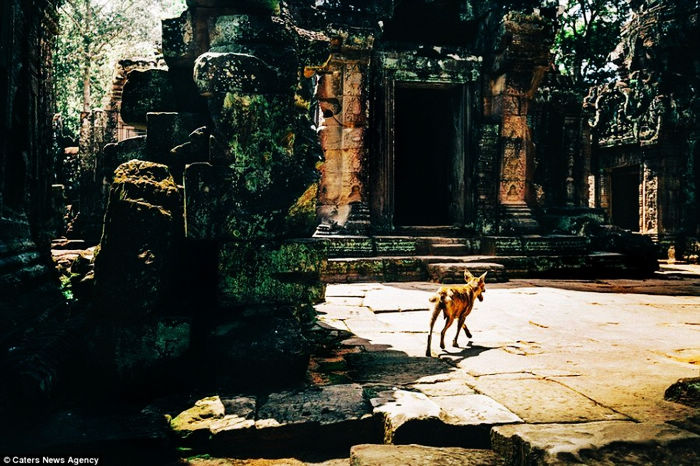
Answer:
(625, 197)
(429, 156)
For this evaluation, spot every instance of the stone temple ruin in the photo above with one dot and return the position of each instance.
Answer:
(290, 144)
(645, 129)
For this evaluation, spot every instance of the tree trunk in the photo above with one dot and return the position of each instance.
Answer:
(87, 59)
(86, 84)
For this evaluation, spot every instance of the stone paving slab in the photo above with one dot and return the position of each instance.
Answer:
(358, 290)
(405, 411)
(402, 455)
(392, 299)
(451, 383)
(413, 417)
(540, 400)
(613, 442)
(472, 410)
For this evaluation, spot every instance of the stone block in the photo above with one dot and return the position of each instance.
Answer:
(400, 455)
(301, 414)
(395, 246)
(403, 269)
(120, 152)
(166, 130)
(142, 222)
(353, 79)
(405, 411)
(331, 139)
(353, 270)
(146, 91)
(179, 46)
(220, 73)
(350, 246)
(596, 443)
(213, 420)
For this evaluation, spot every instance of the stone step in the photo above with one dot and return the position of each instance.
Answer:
(453, 272)
(401, 455)
(530, 245)
(327, 420)
(415, 268)
(454, 249)
(606, 442)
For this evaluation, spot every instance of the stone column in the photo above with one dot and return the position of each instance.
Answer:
(344, 104)
(517, 75)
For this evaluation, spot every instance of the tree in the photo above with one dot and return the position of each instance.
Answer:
(94, 35)
(589, 31)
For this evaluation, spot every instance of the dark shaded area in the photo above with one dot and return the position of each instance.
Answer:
(625, 197)
(425, 135)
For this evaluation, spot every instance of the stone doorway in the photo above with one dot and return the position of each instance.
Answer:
(428, 155)
(625, 197)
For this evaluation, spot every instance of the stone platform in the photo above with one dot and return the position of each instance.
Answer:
(419, 268)
(557, 372)
(412, 258)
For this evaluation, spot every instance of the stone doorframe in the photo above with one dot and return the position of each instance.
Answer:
(447, 71)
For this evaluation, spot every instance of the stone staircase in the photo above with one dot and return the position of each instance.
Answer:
(441, 253)
(521, 219)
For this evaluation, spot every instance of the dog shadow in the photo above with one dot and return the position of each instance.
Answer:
(460, 354)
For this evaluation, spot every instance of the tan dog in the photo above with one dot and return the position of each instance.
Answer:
(456, 302)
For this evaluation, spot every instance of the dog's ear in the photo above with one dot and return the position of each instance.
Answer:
(467, 274)
(483, 276)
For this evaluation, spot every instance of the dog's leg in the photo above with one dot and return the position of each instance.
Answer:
(460, 324)
(450, 319)
(436, 312)
(466, 330)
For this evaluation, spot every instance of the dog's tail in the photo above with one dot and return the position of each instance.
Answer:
(439, 300)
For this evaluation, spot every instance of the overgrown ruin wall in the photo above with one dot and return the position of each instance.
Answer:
(645, 125)
(29, 288)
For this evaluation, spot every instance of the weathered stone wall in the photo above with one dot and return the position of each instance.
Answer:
(648, 119)
(29, 292)
(201, 236)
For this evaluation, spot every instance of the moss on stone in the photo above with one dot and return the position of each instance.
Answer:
(287, 273)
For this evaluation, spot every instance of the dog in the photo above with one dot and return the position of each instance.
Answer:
(456, 302)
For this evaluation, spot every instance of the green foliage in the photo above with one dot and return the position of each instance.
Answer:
(589, 30)
(94, 35)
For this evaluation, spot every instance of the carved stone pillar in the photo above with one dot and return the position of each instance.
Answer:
(524, 61)
(344, 105)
